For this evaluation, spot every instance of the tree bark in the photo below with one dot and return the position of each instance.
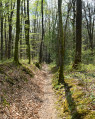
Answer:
(10, 32)
(1, 32)
(27, 29)
(61, 43)
(78, 34)
(16, 57)
(41, 45)
(6, 42)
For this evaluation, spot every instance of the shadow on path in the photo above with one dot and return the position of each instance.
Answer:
(71, 103)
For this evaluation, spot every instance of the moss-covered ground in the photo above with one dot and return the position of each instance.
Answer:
(76, 99)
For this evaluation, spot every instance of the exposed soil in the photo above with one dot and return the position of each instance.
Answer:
(26, 97)
(48, 109)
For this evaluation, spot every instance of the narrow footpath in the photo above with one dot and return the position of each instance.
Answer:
(48, 109)
(30, 97)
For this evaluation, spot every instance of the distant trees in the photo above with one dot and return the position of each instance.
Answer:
(89, 12)
(10, 29)
(50, 32)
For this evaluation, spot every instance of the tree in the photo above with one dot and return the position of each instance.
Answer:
(41, 45)
(1, 31)
(16, 58)
(73, 23)
(61, 43)
(78, 33)
(10, 30)
(27, 29)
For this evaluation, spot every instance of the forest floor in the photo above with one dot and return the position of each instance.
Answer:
(26, 92)
(76, 100)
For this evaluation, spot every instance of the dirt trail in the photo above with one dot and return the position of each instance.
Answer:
(33, 99)
(48, 110)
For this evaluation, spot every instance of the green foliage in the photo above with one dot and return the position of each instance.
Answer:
(79, 82)
(55, 81)
(88, 57)
(5, 103)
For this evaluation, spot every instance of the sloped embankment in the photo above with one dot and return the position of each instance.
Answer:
(20, 91)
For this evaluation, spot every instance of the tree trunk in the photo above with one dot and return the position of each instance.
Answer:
(61, 43)
(10, 38)
(73, 24)
(27, 28)
(16, 58)
(21, 31)
(1, 33)
(6, 43)
(78, 34)
(10, 32)
(41, 45)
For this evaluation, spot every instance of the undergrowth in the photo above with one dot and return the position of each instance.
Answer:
(77, 100)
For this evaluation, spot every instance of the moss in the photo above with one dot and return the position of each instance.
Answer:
(27, 70)
(90, 115)
(37, 65)
(78, 82)
(55, 81)
(4, 101)
(77, 94)
(2, 70)
(66, 106)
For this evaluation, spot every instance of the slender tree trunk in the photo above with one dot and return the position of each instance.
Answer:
(74, 16)
(21, 31)
(1, 33)
(27, 29)
(41, 45)
(6, 43)
(10, 38)
(25, 25)
(28, 43)
(10, 32)
(16, 58)
(61, 43)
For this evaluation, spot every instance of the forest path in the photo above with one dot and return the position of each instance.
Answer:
(33, 98)
(48, 109)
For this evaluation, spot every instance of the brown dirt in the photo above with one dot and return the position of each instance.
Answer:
(48, 109)
(26, 97)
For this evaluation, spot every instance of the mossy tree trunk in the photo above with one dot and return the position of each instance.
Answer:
(16, 57)
(61, 43)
